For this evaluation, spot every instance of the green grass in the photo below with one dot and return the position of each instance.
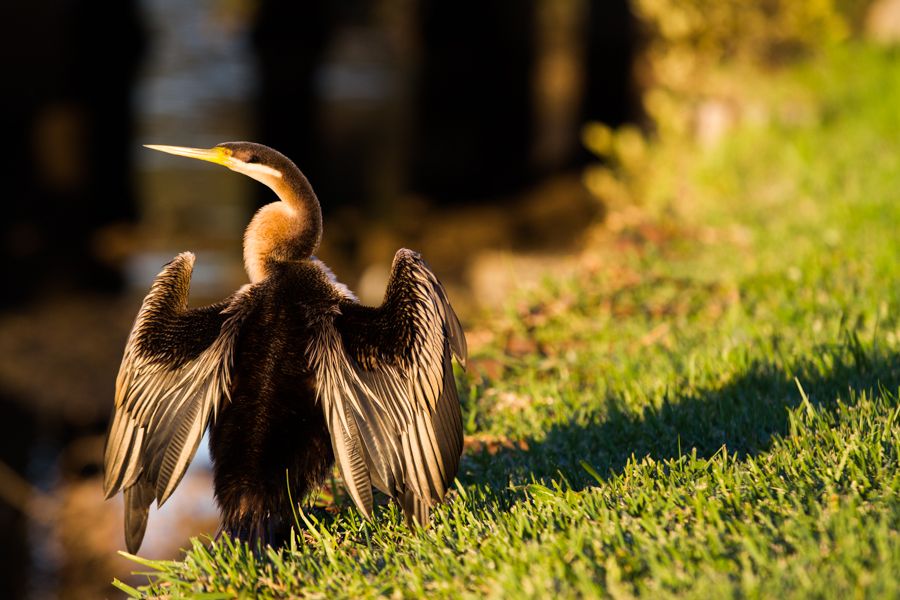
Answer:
(711, 414)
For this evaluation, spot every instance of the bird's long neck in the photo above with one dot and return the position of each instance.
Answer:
(296, 192)
(288, 230)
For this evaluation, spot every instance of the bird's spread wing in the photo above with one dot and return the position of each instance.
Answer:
(174, 376)
(385, 380)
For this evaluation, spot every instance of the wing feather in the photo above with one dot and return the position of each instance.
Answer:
(175, 373)
(385, 377)
(349, 454)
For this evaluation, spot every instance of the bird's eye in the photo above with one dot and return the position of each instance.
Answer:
(252, 159)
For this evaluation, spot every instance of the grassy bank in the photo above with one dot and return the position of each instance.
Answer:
(709, 409)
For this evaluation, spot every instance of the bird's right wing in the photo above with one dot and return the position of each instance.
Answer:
(385, 380)
(175, 374)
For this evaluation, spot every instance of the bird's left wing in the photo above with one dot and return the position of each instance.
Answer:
(385, 380)
(175, 374)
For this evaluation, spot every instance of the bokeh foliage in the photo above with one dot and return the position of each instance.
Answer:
(699, 72)
(689, 42)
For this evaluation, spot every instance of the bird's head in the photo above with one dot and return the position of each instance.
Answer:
(262, 163)
(280, 231)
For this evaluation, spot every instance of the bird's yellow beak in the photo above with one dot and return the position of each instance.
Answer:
(218, 155)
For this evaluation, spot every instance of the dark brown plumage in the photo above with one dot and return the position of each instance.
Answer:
(289, 373)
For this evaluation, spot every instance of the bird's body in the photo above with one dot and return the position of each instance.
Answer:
(273, 428)
(290, 373)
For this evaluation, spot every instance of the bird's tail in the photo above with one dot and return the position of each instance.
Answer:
(272, 530)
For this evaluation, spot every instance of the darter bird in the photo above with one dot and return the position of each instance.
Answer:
(290, 373)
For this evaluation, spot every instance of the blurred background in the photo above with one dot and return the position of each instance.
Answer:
(493, 136)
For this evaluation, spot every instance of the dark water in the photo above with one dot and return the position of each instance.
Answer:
(61, 350)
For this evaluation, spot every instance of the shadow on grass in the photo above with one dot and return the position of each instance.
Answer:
(744, 415)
